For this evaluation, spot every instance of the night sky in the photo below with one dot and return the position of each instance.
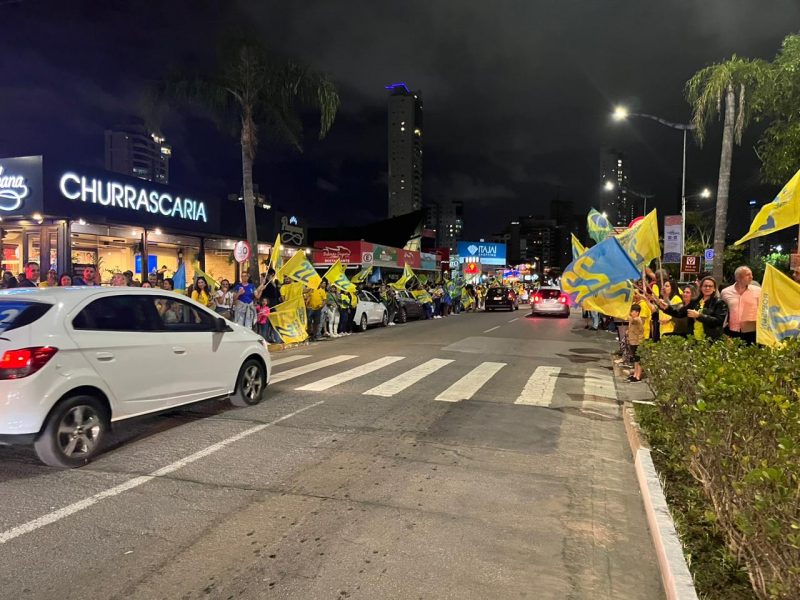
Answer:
(517, 94)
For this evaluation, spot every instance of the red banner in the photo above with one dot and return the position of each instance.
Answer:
(350, 253)
(408, 257)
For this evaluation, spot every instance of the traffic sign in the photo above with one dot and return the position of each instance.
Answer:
(690, 264)
(709, 255)
(241, 251)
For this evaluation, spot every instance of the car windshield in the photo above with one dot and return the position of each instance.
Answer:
(18, 313)
(550, 294)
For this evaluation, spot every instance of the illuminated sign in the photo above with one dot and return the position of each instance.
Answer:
(115, 194)
(13, 190)
(488, 253)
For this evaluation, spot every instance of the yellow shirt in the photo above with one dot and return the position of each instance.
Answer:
(317, 298)
(201, 297)
(699, 332)
(647, 318)
(666, 323)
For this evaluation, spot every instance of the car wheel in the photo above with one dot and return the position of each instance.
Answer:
(250, 384)
(402, 317)
(73, 433)
(385, 319)
(363, 325)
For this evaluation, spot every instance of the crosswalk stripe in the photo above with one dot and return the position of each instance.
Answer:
(540, 387)
(288, 359)
(465, 388)
(297, 371)
(597, 382)
(407, 379)
(329, 382)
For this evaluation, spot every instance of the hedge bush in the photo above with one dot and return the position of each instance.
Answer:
(731, 415)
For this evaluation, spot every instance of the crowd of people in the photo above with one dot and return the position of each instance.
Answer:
(700, 310)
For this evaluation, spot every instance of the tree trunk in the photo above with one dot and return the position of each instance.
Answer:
(248, 154)
(723, 187)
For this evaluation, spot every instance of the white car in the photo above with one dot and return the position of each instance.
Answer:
(77, 359)
(369, 311)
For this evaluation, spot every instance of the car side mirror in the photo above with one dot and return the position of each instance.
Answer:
(221, 325)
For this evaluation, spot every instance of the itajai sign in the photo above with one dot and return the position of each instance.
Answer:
(124, 195)
(490, 253)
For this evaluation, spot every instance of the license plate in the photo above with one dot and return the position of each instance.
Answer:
(498, 297)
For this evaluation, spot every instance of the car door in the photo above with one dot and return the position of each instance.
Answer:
(204, 360)
(119, 336)
(376, 309)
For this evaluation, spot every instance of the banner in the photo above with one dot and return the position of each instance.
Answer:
(598, 226)
(336, 277)
(614, 301)
(422, 296)
(577, 247)
(275, 258)
(299, 269)
(782, 212)
(778, 309)
(598, 268)
(641, 241)
(673, 239)
(290, 321)
(362, 275)
(408, 275)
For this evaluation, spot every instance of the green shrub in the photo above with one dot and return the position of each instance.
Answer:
(731, 415)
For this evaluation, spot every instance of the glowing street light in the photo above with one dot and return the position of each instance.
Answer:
(608, 185)
(620, 113)
(706, 193)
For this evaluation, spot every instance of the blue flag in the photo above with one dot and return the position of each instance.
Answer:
(598, 268)
(179, 279)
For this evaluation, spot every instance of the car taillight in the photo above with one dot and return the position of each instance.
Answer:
(511, 296)
(562, 298)
(537, 298)
(16, 364)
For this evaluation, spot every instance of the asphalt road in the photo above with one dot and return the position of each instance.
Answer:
(477, 456)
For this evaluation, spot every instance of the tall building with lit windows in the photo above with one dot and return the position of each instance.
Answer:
(137, 152)
(405, 150)
(615, 200)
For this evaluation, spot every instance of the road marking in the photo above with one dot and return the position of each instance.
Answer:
(598, 382)
(540, 387)
(514, 319)
(465, 388)
(288, 359)
(135, 482)
(409, 378)
(297, 371)
(329, 382)
(492, 329)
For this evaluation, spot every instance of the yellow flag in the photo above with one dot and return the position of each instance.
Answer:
(290, 320)
(210, 281)
(641, 241)
(614, 301)
(275, 258)
(782, 212)
(336, 277)
(422, 296)
(778, 309)
(362, 275)
(408, 275)
(577, 247)
(299, 269)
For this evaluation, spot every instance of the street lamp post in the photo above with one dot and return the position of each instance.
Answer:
(621, 113)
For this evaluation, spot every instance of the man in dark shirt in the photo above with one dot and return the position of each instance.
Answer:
(31, 278)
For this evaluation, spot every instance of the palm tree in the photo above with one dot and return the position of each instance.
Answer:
(732, 81)
(251, 89)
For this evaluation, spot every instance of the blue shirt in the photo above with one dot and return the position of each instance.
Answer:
(249, 292)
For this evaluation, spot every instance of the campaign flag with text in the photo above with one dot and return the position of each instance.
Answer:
(422, 296)
(598, 268)
(290, 320)
(614, 301)
(641, 241)
(598, 226)
(577, 247)
(362, 275)
(782, 212)
(275, 257)
(408, 275)
(336, 277)
(299, 269)
(778, 309)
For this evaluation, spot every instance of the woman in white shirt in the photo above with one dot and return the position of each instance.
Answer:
(224, 299)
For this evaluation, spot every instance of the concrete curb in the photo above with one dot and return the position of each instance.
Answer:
(675, 576)
(282, 347)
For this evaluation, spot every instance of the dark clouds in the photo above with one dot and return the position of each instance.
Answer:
(517, 94)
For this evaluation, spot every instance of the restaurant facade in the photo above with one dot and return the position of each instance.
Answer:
(66, 218)
(387, 262)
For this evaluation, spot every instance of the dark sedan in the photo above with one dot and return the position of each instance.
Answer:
(501, 297)
(408, 307)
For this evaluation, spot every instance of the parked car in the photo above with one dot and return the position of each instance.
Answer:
(369, 311)
(408, 307)
(550, 301)
(75, 360)
(501, 297)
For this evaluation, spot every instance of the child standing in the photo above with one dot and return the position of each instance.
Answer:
(635, 338)
(262, 317)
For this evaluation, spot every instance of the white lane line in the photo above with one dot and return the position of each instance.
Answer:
(465, 388)
(288, 359)
(297, 371)
(540, 387)
(514, 319)
(329, 382)
(409, 378)
(492, 329)
(62, 513)
(598, 382)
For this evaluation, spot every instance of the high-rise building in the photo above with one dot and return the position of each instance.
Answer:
(405, 150)
(135, 151)
(450, 225)
(615, 200)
